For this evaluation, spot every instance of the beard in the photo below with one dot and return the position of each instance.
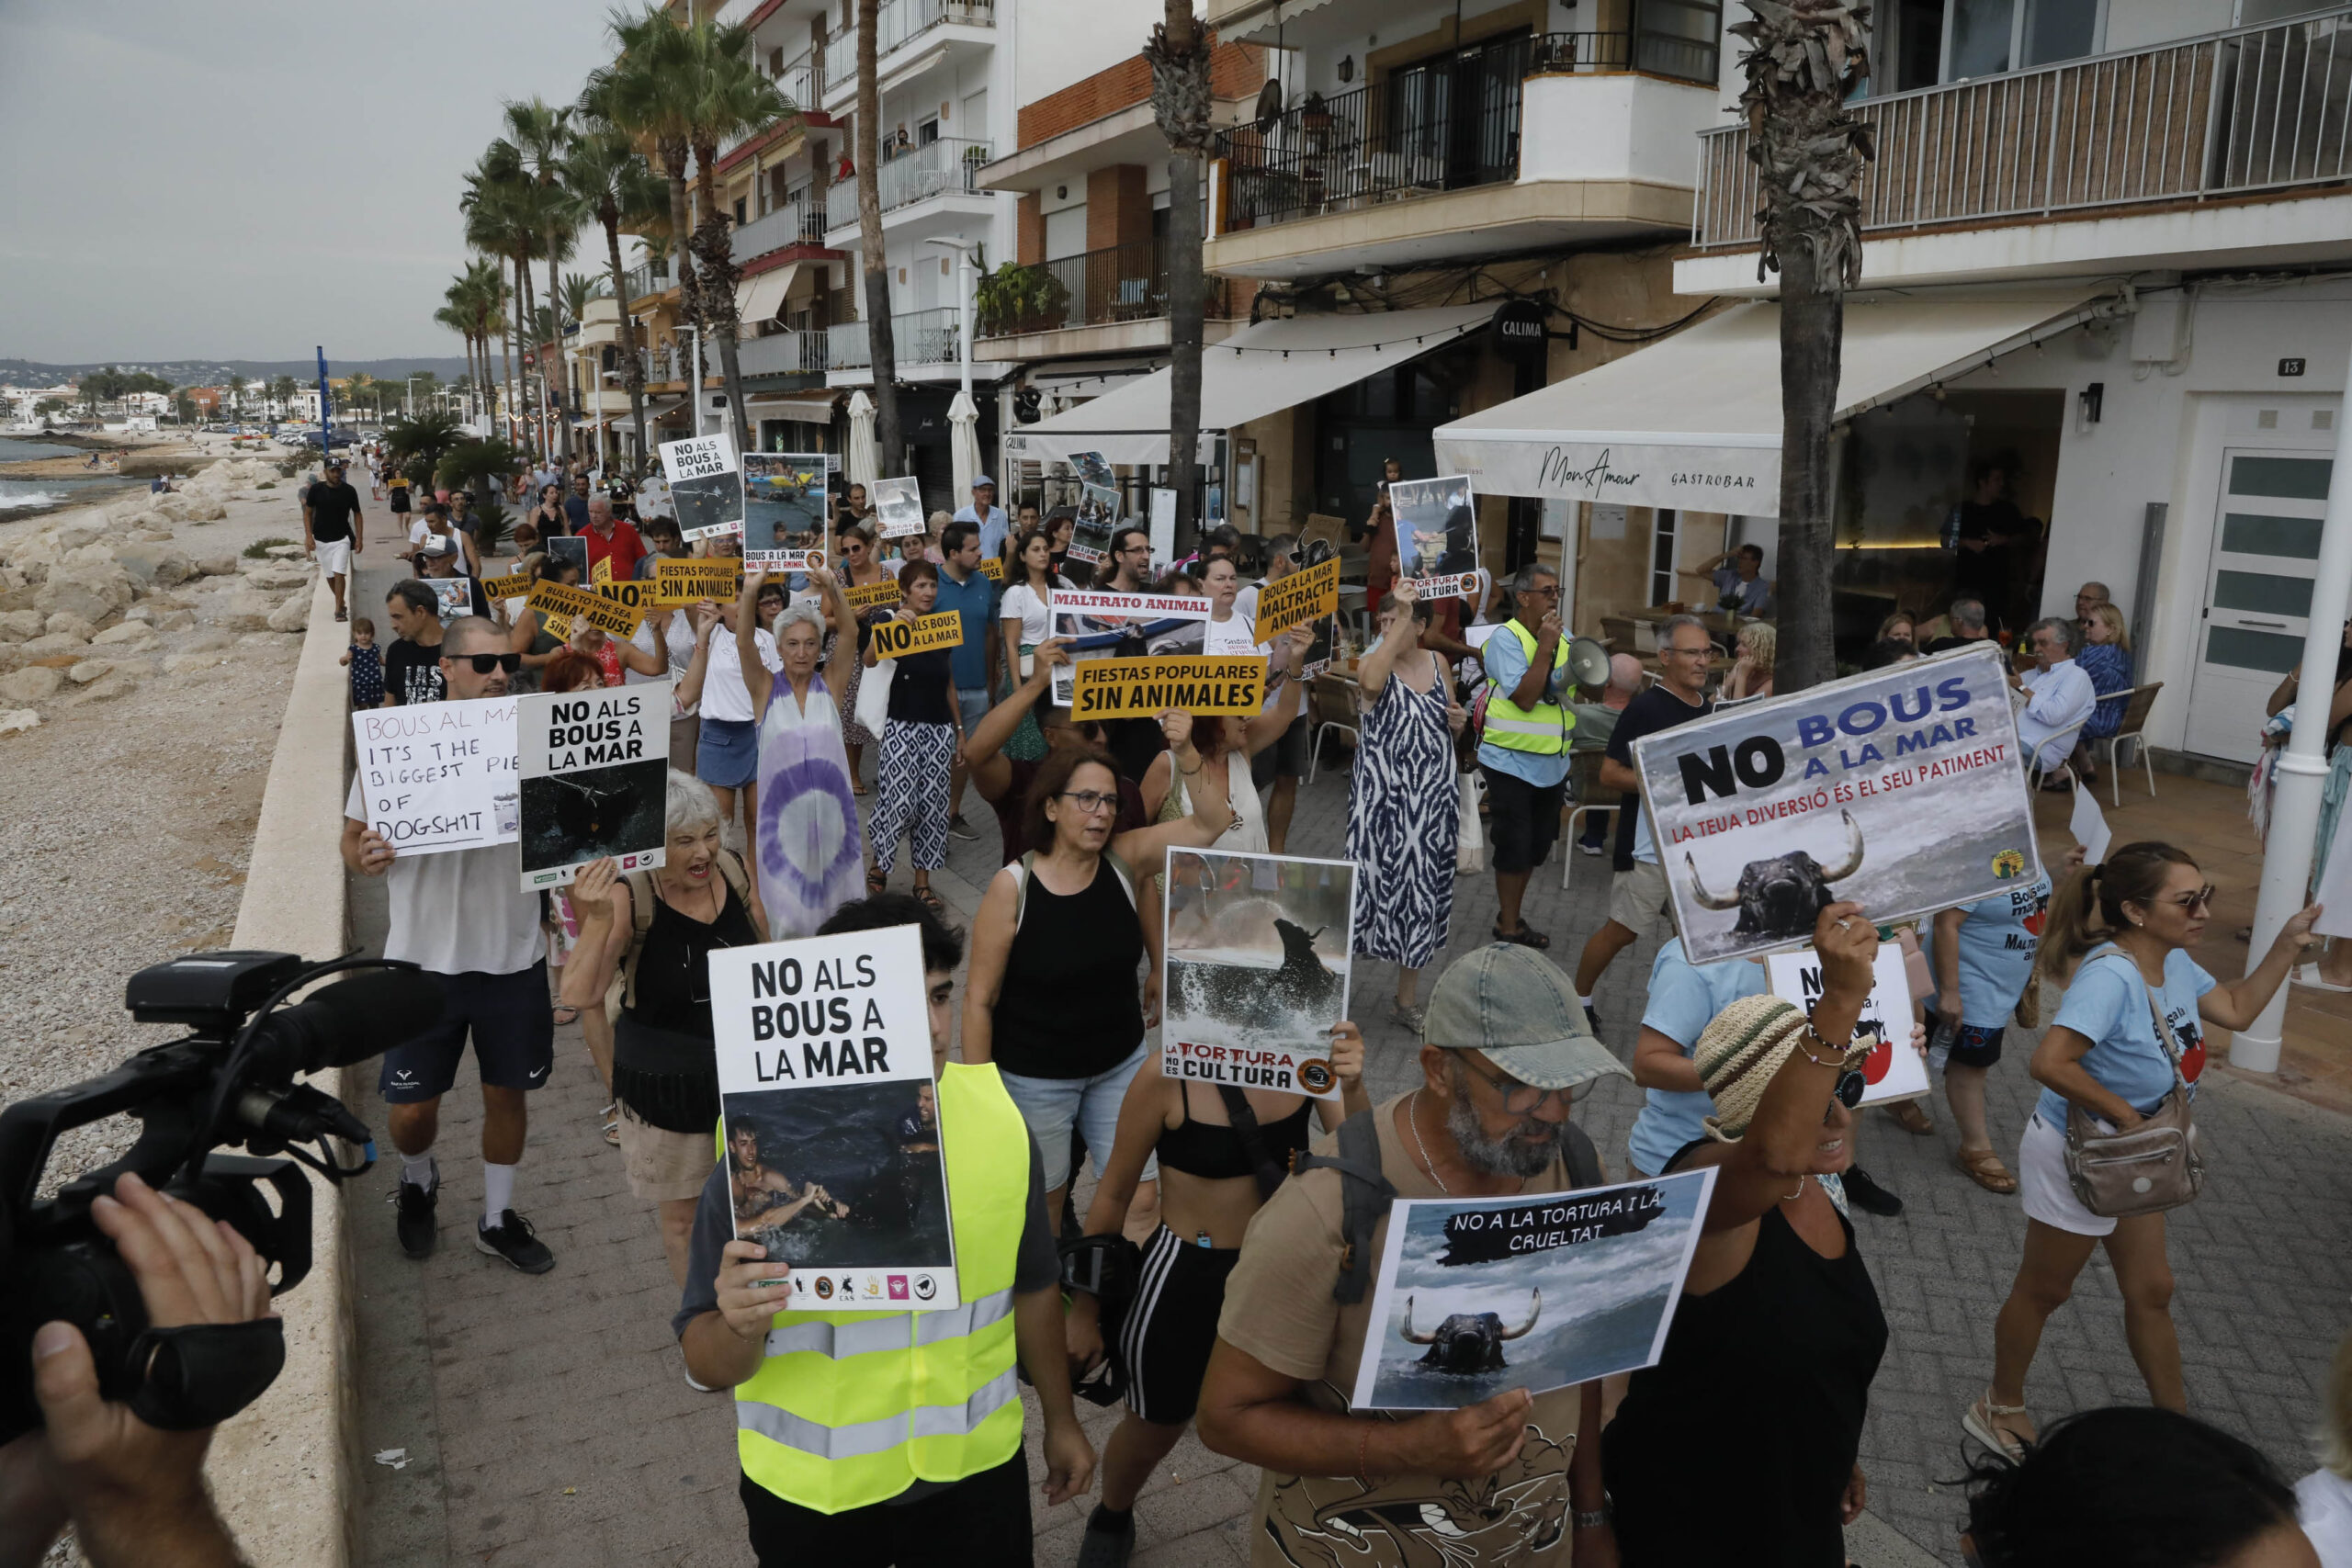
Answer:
(1509, 1154)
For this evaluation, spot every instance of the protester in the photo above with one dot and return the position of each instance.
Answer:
(972, 663)
(1217, 1170)
(1379, 531)
(437, 560)
(2106, 657)
(1523, 751)
(2117, 939)
(396, 497)
(1025, 621)
(1777, 1302)
(1735, 578)
(529, 635)
(334, 530)
(575, 505)
(809, 851)
(366, 661)
(854, 510)
(860, 569)
(1751, 670)
(1229, 744)
(663, 542)
(464, 916)
(609, 539)
(986, 516)
(1637, 897)
(727, 752)
(666, 640)
(412, 664)
(1513, 1478)
(1982, 957)
(1967, 617)
(1061, 524)
(2061, 697)
(1403, 777)
(906, 1450)
(919, 746)
(2137, 1488)
(545, 521)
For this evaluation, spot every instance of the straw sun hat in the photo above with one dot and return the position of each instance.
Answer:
(1738, 1055)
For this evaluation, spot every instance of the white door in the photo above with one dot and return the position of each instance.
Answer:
(2257, 594)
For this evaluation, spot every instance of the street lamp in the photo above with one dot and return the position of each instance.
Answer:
(963, 249)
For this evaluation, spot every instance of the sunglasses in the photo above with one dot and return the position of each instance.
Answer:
(1851, 1087)
(2201, 899)
(484, 663)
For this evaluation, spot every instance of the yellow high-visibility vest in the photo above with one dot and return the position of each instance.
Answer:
(1542, 730)
(850, 1408)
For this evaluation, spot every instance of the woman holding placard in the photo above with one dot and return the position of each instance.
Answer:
(860, 569)
(1024, 622)
(2124, 1052)
(1229, 741)
(918, 748)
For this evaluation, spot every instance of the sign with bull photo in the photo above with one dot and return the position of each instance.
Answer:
(595, 779)
(1900, 790)
(1257, 969)
(1539, 1290)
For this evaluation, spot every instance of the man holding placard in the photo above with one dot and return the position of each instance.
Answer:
(463, 914)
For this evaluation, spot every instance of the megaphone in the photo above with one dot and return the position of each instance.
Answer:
(1589, 661)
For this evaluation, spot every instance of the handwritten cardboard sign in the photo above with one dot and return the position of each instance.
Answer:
(439, 777)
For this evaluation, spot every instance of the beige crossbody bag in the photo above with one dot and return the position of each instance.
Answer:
(2148, 1168)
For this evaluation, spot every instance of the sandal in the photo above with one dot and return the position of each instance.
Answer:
(1978, 1423)
(1912, 1117)
(1526, 936)
(877, 881)
(566, 1015)
(1985, 1168)
(1410, 1019)
(930, 901)
(612, 1119)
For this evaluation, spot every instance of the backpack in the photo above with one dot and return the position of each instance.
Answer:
(640, 920)
(1365, 1193)
(1025, 869)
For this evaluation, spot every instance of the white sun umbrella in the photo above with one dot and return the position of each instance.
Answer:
(864, 467)
(964, 443)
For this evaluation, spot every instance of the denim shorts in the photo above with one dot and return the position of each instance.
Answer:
(972, 707)
(1052, 1106)
(727, 752)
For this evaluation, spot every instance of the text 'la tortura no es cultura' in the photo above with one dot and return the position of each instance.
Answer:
(829, 1038)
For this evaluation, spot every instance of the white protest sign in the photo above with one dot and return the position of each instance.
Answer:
(898, 503)
(439, 777)
(1893, 1070)
(455, 596)
(705, 485)
(1163, 526)
(1093, 621)
(1255, 968)
(2089, 824)
(594, 769)
(833, 1139)
(1539, 1290)
(2334, 893)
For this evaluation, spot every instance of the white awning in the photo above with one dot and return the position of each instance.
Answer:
(1694, 421)
(662, 408)
(757, 298)
(1257, 371)
(808, 411)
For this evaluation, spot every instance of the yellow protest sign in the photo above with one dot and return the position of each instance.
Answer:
(867, 596)
(513, 585)
(579, 604)
(600, 570)
(992, 569)
(631, 594)
(678, 584)
(1301, 596)
(1138, 688)
(896, 640)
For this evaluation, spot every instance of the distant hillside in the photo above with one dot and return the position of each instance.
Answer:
(209, 372)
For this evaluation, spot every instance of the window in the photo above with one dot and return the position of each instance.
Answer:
(775, 62)
(741, 215)
(1662, 539)
(1678, 38)
(1921, 43)
(927, 131)
(1066, 232)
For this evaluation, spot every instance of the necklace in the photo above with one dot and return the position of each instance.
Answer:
(1413, 1120)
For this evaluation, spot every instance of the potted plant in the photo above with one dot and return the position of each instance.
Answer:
(1018, 299)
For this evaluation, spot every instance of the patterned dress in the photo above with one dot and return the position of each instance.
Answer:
(811, 857)
(1403, 821)
(2110, 668)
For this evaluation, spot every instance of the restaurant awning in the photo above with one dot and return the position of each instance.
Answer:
(1694, 421)
(1257, 371)
(759, 298)
(662, 408)
(808, 411)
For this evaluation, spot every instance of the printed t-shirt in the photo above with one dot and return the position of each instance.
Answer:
(413, 673)
(1998, 938)
(2108, 1005)
(1278, 1308)
(458, 912)
(1650, 711)
(1684, 999)
(331, 509)
(1236, 639)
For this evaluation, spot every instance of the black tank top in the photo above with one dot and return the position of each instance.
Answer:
(1794, 1339)
(663, 1067)
(1205, 1149)
(1071, 1005)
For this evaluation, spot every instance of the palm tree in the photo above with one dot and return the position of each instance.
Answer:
(541, 133)
(453, 317)
(607, 177)
(1179, 101)
(281, 392)
(882, 349)
(1805, 59)
(730, 98)
(235, 385)
(645, 94)
(495, 227)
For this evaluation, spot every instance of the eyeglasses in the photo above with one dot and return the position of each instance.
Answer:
(1551, 592)
(1704, 651)
(1091, 801)
(1519, 1099)
(484, 663)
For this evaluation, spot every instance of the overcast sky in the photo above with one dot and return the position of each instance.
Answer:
(155, 157)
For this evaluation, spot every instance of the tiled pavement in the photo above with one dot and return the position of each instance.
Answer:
(546, 1420)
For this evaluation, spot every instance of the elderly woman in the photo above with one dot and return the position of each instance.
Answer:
(1404, 761)
(665, 1069)
(919, 746)
(1751, 670)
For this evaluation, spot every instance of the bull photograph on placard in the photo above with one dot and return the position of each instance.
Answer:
(1256, 968)
(594, 773)
(1901, 789)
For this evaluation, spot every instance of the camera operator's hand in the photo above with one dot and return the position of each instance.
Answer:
(135, 1493)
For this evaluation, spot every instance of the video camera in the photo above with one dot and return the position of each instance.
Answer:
(229, 1083)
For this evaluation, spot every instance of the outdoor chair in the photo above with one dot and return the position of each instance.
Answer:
(1341, 702)
(2063, 741)
(1584, 780)
(2139, 700)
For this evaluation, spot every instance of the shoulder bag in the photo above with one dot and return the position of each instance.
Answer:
(2144, 1169)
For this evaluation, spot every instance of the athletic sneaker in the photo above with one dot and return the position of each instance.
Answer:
(959, 829)
(1590, 847)
(1869, 1196)
(1106, 1544)
(412, 1215)
(513, 1240)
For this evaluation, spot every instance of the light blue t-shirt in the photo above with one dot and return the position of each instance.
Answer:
(994, 526)
(1997, 941)
(2108, 1005)
(1684, 999)
(1506, 664)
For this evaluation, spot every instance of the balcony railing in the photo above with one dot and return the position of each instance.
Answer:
(644, 279)
(664, 365)
(917, 337)
(897, 22)
(938, 168)
(783, 354)
(1446, 125)
(799, 221)
(2230, 113)
(1121, 283)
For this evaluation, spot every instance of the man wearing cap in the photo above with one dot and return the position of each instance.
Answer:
(984, 511)
(332, 529)
(1507, 1049)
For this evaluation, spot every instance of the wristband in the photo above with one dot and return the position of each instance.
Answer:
(1597, 1519)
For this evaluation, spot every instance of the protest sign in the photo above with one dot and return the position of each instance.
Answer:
(583, 604)
(682, 585)
(513, 585)
(439, 777)
(2089, 824)
(634, 594)
(1306, 594)
(453, 596)
(1539, 1291)
(595, 767)
(1455, 585)
(832, 1116)
(1098, 514)
(600, 570)
(897, 502)
(1094, 623)
(1256, 969)
(896, 640)
(2334, 892)
(774, 561)
(868, 595)
(784, 491)
(992, 569)
(1893, 1070)
(705, 485)
(571, 547)
(1139, 688)
(1163, 527)
(1437, 526)
(1899, 789)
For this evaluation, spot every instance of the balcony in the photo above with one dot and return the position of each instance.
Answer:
(1526, 141)
(1122, 290)
(783, 354)
(799, 221)
(2147, 140)
(802, 83)
(649, 277)
(948, 166)
(897, 23)
(917, 337)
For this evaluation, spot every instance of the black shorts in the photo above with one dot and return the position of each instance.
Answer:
(1522, 819)
(1163, 1346)
(399, 500)
(512, 1024)
(1973, 1045)
(982, 1521)
(1286, 759)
